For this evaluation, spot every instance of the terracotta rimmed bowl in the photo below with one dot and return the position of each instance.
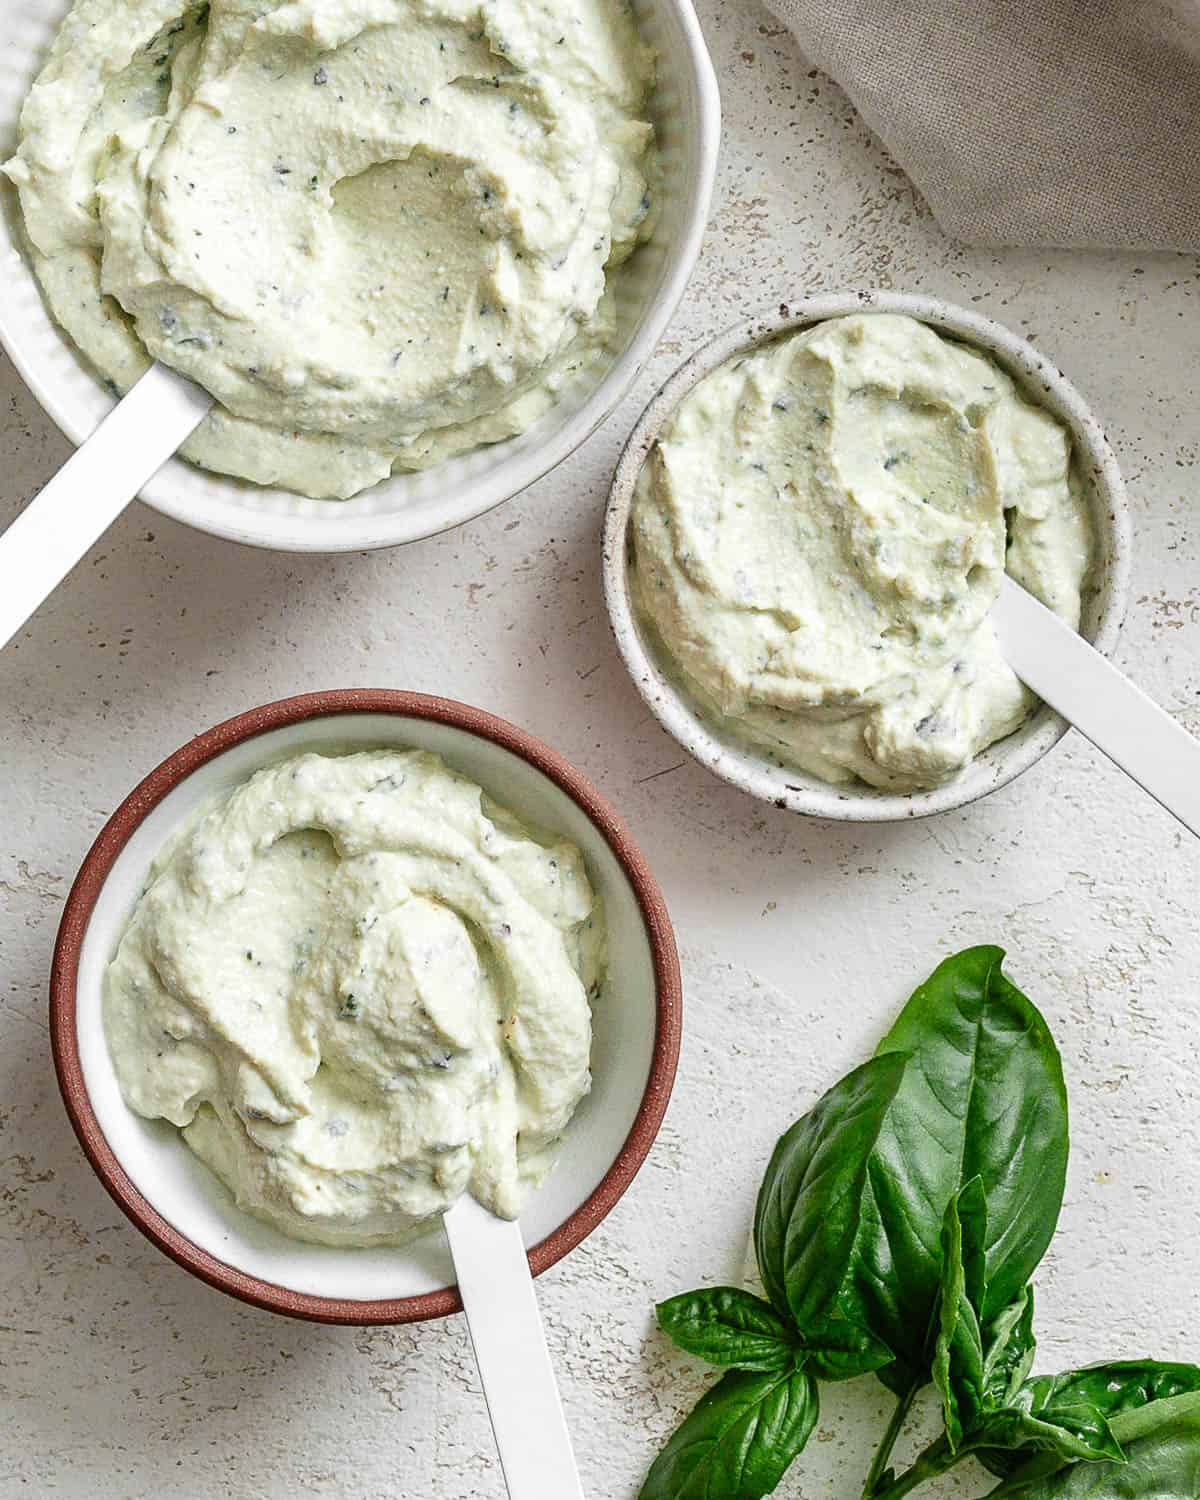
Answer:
(175, 1201)
(787, 786)
(686, 110)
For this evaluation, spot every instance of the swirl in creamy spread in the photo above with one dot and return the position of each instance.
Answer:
(378, 231)
(819, 534)
(360, 989)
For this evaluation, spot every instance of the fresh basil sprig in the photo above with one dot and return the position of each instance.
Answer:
(896, 1230)
(984, 1097)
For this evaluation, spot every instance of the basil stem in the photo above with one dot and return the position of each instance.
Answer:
(936, 1459)
(884, 1452)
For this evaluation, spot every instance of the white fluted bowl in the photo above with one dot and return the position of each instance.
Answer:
(686, 111)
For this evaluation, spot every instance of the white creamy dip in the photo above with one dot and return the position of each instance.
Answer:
(378, 231)
(361, 990)
(821, 530)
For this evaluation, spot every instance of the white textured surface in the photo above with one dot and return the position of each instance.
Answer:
(120, 1376)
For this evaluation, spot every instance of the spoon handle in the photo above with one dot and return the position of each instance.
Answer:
(510, 1350)
(92, 488)
(1102, 703)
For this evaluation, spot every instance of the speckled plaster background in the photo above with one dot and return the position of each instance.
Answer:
(122, 1377)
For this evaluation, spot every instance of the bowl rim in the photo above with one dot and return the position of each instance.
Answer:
(745, 768)
(324, 530)
(169, 774)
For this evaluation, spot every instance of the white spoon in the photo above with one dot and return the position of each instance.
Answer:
(93, 487)
(510, 1350)
(1102, 703)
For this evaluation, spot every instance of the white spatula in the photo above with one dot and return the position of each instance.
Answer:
(510, 1350)
(93, 487)
(1108, 709)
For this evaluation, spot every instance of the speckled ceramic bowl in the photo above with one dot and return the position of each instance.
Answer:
(686, 110)
(788, 787)
(174, 1199)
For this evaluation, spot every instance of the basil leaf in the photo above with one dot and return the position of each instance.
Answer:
(1120, 1386)
(1076, 1431)
(807, 1215)
(739, 1440)
(958, 1354)
(979, 1371)
(727, 1326)
(982, 1096)
(977, 1368)
(1161, 1442)
(1010, 1348)
(837, 1350)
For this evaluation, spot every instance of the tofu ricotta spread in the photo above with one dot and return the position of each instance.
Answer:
(360, 989)
(821, 529)
(380, 232)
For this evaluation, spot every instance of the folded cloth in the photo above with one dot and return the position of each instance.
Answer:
(1028, 122)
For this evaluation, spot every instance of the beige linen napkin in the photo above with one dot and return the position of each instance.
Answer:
(1028, 122)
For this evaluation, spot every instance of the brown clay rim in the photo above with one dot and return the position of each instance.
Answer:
(116, 833)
